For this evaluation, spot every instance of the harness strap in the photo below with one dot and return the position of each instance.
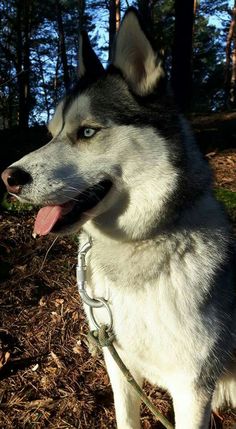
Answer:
(103, 337)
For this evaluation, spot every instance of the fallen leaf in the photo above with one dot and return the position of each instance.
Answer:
(59, 302)
(56, 360)
(77, 348)
(4, 357)
(35, 367)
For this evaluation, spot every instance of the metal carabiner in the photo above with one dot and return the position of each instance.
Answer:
(81, 282)
(81, 277)
(105, 305)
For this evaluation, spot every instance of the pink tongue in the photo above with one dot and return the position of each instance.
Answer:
(48, 216)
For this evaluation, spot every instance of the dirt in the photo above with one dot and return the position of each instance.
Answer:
(224, 167)
(48, 379)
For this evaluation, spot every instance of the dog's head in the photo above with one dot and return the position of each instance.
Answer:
(116, 160)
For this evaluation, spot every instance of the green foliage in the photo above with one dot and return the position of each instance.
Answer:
(228, 198)
(14, 205)
(209, 39)
(46, 68)
(209, 55)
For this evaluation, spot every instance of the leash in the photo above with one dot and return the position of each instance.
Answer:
(104, 336)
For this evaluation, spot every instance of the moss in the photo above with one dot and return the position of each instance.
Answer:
(228, 198)
(11, 205)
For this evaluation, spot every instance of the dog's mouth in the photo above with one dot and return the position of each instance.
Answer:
(56, 218)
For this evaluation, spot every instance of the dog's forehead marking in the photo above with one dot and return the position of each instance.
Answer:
(55, 123)
(79, 109)
(77, 113)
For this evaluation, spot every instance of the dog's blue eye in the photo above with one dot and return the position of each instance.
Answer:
(89, 132)
(86, 132)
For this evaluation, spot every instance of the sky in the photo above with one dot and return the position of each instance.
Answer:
(214, 20)
(101, 33)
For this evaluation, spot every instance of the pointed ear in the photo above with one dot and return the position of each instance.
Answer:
(88, 60)
(135, 57)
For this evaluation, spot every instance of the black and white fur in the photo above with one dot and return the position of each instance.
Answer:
(162, 250)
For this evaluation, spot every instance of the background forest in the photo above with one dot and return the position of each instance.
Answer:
(39, 43)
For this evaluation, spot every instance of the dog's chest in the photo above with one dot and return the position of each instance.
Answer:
(150, 329)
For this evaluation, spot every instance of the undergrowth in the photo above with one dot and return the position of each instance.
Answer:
(228, 198)
(13, 205)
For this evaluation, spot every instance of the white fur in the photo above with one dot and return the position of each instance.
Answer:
(136, 58)
(160, 282)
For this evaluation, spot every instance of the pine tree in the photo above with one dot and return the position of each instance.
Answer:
(182, 52)
(114, 22)
(230, 73)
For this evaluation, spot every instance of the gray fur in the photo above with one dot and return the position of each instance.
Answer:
(162, 250)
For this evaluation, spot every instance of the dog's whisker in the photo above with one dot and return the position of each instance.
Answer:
(85, 194)
(72, 189)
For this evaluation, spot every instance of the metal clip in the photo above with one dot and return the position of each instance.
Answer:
(81, 277)
(98, 325)
(81, 281)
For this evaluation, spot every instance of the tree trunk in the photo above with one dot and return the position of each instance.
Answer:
(114, 23)
(230, 72)
(66, 76)
(19, 66)
(23, 61)
(145, 8)
(182, 52)
(45, 92)
(55, 80)
(26, 58)
(81, 10)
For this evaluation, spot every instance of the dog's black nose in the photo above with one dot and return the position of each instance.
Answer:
(14, 178)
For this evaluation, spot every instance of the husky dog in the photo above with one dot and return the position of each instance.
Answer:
(123, 166)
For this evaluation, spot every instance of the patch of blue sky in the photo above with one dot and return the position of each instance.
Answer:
(100, 16)
(220, 20)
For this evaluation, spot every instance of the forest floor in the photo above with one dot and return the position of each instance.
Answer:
(48, 379)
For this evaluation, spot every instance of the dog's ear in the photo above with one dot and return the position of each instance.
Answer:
(134, 56)
(88, 60)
